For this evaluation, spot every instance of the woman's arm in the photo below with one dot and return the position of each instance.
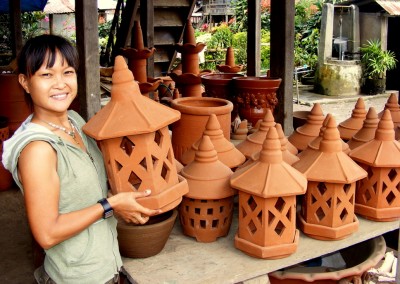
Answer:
(37, 167)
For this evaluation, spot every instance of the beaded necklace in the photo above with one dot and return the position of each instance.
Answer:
(65, 130)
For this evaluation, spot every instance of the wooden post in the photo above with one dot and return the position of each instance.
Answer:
(87, 37)
(15, 26)
(147, 24)
(253, 38)
(282, 59)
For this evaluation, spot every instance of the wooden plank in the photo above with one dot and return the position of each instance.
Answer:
(147, 24)
(15, 27)
(184, 260)
(170, 18)
(87, 38)
(165, 36)
(282, 59)
(169, 3)
(253, 38)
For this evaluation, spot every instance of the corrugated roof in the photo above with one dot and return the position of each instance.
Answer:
(390, 6)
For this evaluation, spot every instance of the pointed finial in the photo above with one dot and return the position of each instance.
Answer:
(271, 149)
(385, 130)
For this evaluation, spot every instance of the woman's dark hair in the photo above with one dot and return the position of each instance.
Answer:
(41, 48)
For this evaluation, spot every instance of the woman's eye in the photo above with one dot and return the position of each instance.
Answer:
(46, 75)
(69, 72)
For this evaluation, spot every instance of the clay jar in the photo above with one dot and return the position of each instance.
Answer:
(140, 241)
(254, 95)
(195, 112)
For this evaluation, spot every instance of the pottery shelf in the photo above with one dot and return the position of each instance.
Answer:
(183, 260)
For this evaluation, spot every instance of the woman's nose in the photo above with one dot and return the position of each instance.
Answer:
(59, 82)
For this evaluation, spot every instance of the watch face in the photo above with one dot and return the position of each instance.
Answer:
(108, 214)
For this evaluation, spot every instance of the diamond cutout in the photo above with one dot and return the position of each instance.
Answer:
(280, 204)
(390, 197)
(127, 146)
(279, 228)
(370, 172)
(321, 188)
(346, 188)
(143, 163)
(252, 203)
(271, 218)
(343, 215)
(165, 171)
(252, 227)
(320, 214)
(329, 202)
(158, 137)
(367, 196)
(392, 174)
(134, 180)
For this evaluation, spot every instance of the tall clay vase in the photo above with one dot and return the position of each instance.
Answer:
(254, 95)
(134, 138)
(378, 194)
(6, 179)
(350, 126)
(195, 112)
(230, 66)
(267, 192)
(206, 210)
(327, 212)
(367, 131)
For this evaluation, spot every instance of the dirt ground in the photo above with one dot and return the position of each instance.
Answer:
(16, 257)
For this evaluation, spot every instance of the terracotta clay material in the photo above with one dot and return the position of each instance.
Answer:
(267, 204)
(219, 85)
(378, 194)
(254, 141)
(240, 132)
(230, 66)
(141, 241)
(206, 210)
(134, 138)
(393, 106)
(327, 212)
(350, 126)
(367, 132)
(310, 130)
(227, 152)
(195, 113)
(254, 95)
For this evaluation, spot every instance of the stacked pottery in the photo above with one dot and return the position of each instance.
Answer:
(253, 96)
(327, 212)
(350, 126)
(137, 61)
(188, 80)
(134, 138)
(195, 112)
(206, 210)
(230, 66)
(310, 130)
(367, 131)
(377, 195)
(6, 179)
(267, 204)
(227, 152)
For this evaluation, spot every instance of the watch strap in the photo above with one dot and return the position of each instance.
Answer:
(108, 211)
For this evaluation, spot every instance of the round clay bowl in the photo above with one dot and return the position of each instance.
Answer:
(359, 258)
(141, 241)
(219, 85)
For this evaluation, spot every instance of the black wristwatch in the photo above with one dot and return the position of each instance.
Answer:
(108, 211)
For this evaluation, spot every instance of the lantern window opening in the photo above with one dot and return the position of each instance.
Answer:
(127, 146)
(370, 172)
(135, 181)
(259, 217)
(271, 218)
(210, 211)
(346, 188)
(390, 197)
(203, 224)
(313, 199)
(289, 214)
(280, 204)
(165, 171)
(384, 187)
(118, 166)
(252, 203)
(279, 228)
(329, 202)
(367, 195)
(252, 227)
(191, 222)
(215, 223)
(197, 211)
(320, 214)
(338, 202)
(143, 163)
(243, 211)
(158, 138)
(322, 188)
(392, 174)
(343, 214)
(221, 209)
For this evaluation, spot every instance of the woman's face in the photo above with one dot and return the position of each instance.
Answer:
(52, 89)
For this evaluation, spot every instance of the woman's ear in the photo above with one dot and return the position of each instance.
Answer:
(23, 82)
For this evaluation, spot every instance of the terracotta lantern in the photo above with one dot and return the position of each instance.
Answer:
(133, 134)
(378, 194)
(206, 210)
(227, 152)
(229, 66)
(137, 56)
(240, 132)
(188, 78)
(392, 104)
(350, 126)
(267, 192)
(254, 141)
(327, 212)
(306, 133)
(367, 131)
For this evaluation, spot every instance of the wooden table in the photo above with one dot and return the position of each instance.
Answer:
(184, 260)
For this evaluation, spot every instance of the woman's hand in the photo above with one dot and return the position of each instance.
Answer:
(126, 206)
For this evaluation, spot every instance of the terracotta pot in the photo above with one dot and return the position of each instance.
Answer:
(195, 112)
(230, 66)
(300, 118)
(359, 258)
(219, 85)
(6, 179)
(12, 101)
(140, 241)
(254, 95)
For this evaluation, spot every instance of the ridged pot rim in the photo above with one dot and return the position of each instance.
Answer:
(219, 77)
(169, 219)
(202, 105)
(377, 252)
(257, 82)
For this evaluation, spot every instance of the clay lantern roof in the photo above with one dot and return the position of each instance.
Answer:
(275, 178)
(329, 163)
(383, 150)
(367, 132)
(350, 126)
(128, 112)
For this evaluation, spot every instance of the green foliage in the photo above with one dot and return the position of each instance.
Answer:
(239, 44)
(31, 24)
(376, 61)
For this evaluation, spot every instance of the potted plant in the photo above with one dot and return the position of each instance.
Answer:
(375, 62)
